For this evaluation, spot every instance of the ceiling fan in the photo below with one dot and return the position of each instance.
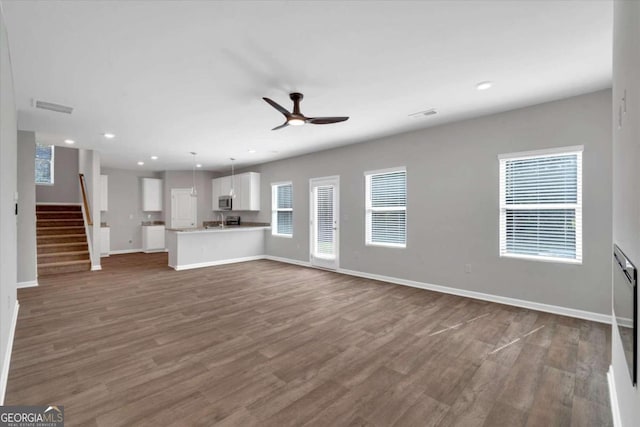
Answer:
(297, 118)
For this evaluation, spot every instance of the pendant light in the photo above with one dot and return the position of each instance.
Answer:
(194, 192)
(232, 192)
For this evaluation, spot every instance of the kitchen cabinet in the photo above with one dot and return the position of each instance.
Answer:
(152, 190)
(246, 189)
(105, 241)
(153, 238)
(104, 192)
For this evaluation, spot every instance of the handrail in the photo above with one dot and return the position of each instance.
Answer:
(83, 186)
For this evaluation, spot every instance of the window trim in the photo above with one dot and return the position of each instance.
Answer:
(502, 206)
(275, 209)
(368, 209)
(52, 164)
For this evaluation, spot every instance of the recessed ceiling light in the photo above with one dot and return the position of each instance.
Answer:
(251, 151)
(198, 165)
(69, 141)
(140, 163)
(154, 157)
(484, 85)
(108, 135)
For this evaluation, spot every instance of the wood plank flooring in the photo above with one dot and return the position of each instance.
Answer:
(269, 344)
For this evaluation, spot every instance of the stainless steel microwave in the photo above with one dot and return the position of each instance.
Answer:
(225, 203)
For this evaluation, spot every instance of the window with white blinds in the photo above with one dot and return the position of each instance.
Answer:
(541, 205)
(45, 155)
(386, 207)
(282, 209)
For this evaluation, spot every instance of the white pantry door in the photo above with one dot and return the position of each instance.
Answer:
(184, 208)
(324, 235)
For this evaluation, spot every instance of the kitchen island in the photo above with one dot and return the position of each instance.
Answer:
(204, 247)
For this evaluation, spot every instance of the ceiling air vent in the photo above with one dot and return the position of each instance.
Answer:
(53, 107)
(429, 112)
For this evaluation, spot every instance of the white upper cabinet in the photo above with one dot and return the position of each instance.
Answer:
(104, 192)
(152, 190)
(246, 187)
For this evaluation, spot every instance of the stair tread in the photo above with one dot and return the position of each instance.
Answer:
(51, 245)
(63, 263)
(62, 227)
(52, 254)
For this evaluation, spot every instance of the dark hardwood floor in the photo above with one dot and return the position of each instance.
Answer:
(269, 344)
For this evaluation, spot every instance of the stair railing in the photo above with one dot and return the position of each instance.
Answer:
(85, 201)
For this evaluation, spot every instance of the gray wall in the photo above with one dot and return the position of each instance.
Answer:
(8, 187)
(66, 187)
(125, 208)
(453, 203)
(184, 179)
(27, 262)
(626, 177)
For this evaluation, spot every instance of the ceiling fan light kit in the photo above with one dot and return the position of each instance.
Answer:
(296, 118)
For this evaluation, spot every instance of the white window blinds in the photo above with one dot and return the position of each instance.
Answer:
(282, 209)
(541, 205)
(386, 207)
(325, 233)
(44, 164)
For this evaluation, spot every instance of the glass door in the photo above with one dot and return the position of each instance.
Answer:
(324, 222)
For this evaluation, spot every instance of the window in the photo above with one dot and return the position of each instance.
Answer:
(386, 207)
(541, 205)
(44, 164)
(282, 209)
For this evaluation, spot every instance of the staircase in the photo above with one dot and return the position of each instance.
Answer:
(62, 241)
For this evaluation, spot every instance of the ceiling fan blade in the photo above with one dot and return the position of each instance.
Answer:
(284, 125)
(278, 107)
(326, 120)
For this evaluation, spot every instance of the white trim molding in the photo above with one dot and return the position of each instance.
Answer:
(288, 260)
(125, 251)
(214, 263)
(555, 309)
(7, 356)
(96, 267)
(29, 284)
(613, 395)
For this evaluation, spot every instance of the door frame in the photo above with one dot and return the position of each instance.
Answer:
(314, 182)
(194, 206)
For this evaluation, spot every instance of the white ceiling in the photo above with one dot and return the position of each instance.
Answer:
(173, 77)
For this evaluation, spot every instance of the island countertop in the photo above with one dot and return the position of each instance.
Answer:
(226, 228)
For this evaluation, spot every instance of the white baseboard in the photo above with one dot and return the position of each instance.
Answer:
(125, 251)
(288, 260)
(613, 395)
(29, 284)
(96, 267)
(7, 356)
(213, 263)
(153, 251)
(555, 309)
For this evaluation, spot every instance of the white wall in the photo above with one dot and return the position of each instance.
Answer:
(27, 261)
(8, 188)
(453, 203)
(626, 177)
(66, 185)
(125, 207)
(89, 165)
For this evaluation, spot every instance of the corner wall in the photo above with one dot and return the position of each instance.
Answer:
(626, 179)
(8, 189)
(452, 179)
(27, 261)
